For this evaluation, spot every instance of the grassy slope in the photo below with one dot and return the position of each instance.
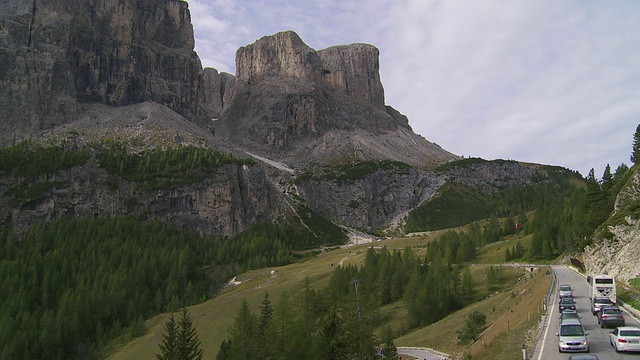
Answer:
(213, 318)
(511, 315)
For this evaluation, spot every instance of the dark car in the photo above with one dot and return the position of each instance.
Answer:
(568, 314)
(598, 302)
(567, 303)
(583, 357)
(610, 316)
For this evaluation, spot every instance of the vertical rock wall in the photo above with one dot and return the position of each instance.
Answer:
(55, 54)
(354, 70)
(347, 69)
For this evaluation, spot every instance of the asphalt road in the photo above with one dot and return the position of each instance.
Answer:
(547, 348)
(419, 353)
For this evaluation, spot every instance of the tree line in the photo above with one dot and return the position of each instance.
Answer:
(161, 168)
(68, 288)
(338, 321)
(567, 224)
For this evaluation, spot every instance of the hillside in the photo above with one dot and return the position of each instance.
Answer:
(214, 318)
(615, 248)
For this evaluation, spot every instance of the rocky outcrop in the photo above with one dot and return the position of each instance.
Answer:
(354, 70)
(218, 91)
(372, 202)
(223, 205)
(291, 101)
(497, 175)
(55, 54)
(276, 56)
(351, 70)
(81, 71)
(617, 249)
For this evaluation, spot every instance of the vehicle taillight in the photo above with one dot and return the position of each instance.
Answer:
(622, 341)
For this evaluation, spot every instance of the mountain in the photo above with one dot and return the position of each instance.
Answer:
(83, 75)
(302, 106)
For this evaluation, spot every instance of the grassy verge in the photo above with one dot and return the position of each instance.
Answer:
(512, 317)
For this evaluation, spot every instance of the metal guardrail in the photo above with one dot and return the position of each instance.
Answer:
(552, 287)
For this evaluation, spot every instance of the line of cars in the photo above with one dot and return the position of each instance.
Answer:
(572, 336)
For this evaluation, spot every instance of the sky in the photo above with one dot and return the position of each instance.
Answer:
(553, 82)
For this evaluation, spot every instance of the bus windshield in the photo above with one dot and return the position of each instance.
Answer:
(604, 281)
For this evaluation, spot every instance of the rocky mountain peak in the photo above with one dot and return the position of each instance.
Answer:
(351, 70)
(354, 70)
(298, 105)
(280, 55)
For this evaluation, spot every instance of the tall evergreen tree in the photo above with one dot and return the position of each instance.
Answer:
(265, 330)
(243, 333)
(188, 342)
(607, 179)
(635, 152)
(169, 345)
(180, 340)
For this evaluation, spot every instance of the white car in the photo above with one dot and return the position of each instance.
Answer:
(625, 338)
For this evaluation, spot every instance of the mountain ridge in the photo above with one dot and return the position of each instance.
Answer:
(126, 71)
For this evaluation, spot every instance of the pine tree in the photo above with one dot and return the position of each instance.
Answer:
(243, 333)
(180, 340)
(265, 325)
(607, 179)
(635, 152)
(467, 285)
(188, 342)
(389, 350)
(492, 278)
(169, 345)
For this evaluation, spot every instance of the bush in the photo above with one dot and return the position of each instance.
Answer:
(474, 324)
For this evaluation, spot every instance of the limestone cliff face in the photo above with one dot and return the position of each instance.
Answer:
(497, 175)
(378, 200)
(224, 205)
(290, 101)
(348, 69)
(280, 55)
(618, 253)
(55, 54)
(354, 70)
(218, 90)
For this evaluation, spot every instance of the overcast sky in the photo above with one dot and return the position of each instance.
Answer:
(546, 81)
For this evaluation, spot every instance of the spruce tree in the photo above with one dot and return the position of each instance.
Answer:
(180, 340)
(243, 333)
(188, 341)
(635, 153)
(169, 345)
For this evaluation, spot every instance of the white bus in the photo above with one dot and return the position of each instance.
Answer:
(604, 286)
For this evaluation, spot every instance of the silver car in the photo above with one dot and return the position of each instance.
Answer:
(572, 337)
(565, 290)
(598, 302)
